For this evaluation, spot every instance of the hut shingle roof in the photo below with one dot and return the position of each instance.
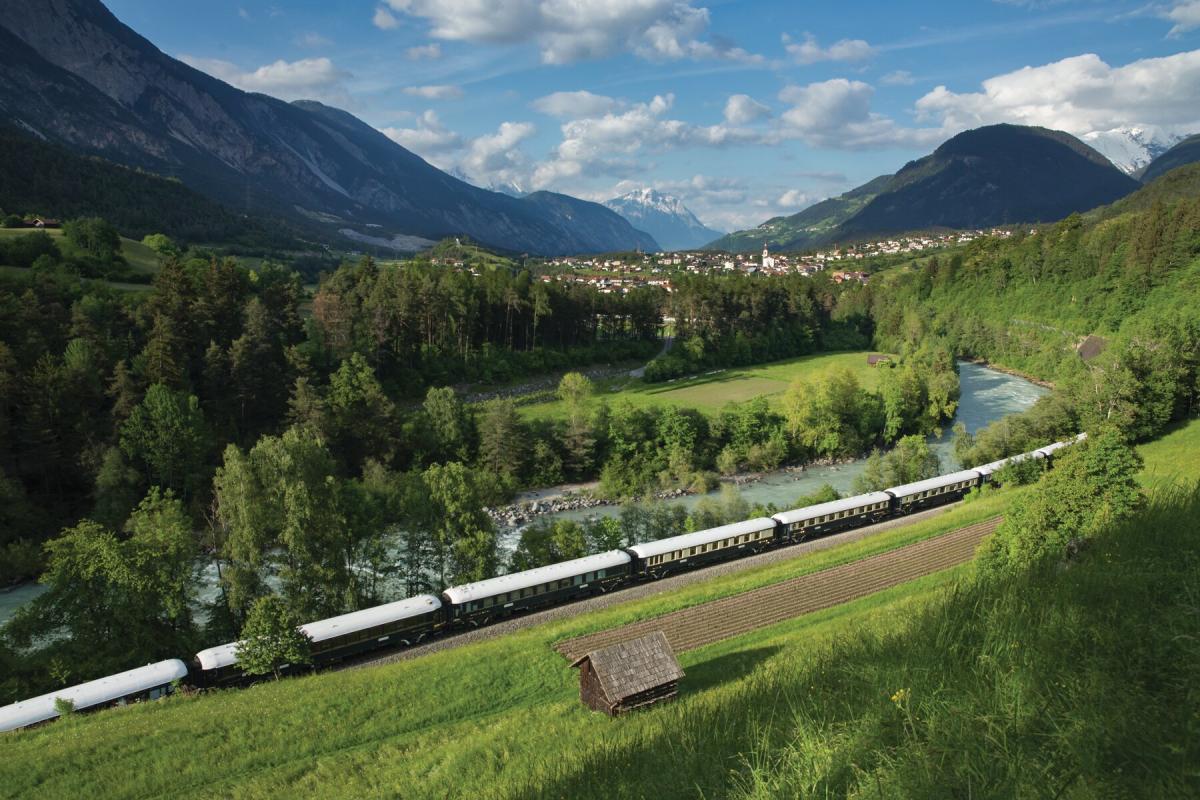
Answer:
(634, 666)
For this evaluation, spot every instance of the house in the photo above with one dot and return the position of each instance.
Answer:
(629, 675)
(875, 359)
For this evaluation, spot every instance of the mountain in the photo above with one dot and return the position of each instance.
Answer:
(71, 73)
(995, 175)
(808, 228)
(664, 217)
(1185, 152)
(1131, 149)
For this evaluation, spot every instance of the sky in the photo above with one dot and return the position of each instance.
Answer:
(745, 109)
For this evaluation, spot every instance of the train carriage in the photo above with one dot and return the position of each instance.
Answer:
(480, 602)
(144, 683)
(805, 523)
(933, 491)
(655, 559)
(402, 622)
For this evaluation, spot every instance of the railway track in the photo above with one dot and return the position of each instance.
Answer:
(639, 591)
(710, 622)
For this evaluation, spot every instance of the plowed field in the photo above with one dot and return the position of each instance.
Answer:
(699, 625)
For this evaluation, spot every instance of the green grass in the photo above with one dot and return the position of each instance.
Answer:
(709, 393)
(1173, 458)
(1010, 686)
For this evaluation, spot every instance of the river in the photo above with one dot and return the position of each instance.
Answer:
(987, 395)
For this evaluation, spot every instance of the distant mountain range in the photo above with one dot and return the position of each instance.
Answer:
(664, 217)
(73, 74)
(995, 175)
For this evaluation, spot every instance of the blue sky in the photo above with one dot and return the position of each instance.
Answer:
(744, 109)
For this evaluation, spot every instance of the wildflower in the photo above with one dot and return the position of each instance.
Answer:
(900, 697)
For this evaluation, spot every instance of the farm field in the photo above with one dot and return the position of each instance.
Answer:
(709, 393)
(695, 627)
(502, 718)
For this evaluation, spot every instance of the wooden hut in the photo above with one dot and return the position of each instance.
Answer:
(629, 675)
(1091, 347)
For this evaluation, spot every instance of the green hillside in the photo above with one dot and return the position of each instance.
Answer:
(952, 685)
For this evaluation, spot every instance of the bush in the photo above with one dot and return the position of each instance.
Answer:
(1092, 485)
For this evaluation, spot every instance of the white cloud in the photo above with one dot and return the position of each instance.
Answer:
(794, 198)
(809, 51)
(837, 114)
(610, 144)
(571, 30)
(425, 51)
(384, 19)
(308, 78)
(430, 139)
(575, 104)
(243, 13)
(435, 92)
(900, 77)
(1185, 15)
(742, 109)
(1080, 94)
(496, 158)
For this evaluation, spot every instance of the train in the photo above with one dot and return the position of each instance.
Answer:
(413, 620)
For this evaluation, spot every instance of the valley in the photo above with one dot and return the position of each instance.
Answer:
(622, 400)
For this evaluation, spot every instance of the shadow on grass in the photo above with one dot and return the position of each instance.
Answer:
(729, 667)
(703, 380)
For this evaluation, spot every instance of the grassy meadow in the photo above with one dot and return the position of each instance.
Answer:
(141, 259)
(1075, 680)
(711, 392)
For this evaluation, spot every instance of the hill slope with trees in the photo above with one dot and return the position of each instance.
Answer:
(39, 178)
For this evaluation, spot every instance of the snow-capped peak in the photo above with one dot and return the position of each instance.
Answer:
(663, 216)
(1131, 148)
(652, 198)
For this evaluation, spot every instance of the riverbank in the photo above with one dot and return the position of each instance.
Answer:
(528, 506)
(1016, 373)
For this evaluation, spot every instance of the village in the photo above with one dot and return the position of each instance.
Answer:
(620, 274)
